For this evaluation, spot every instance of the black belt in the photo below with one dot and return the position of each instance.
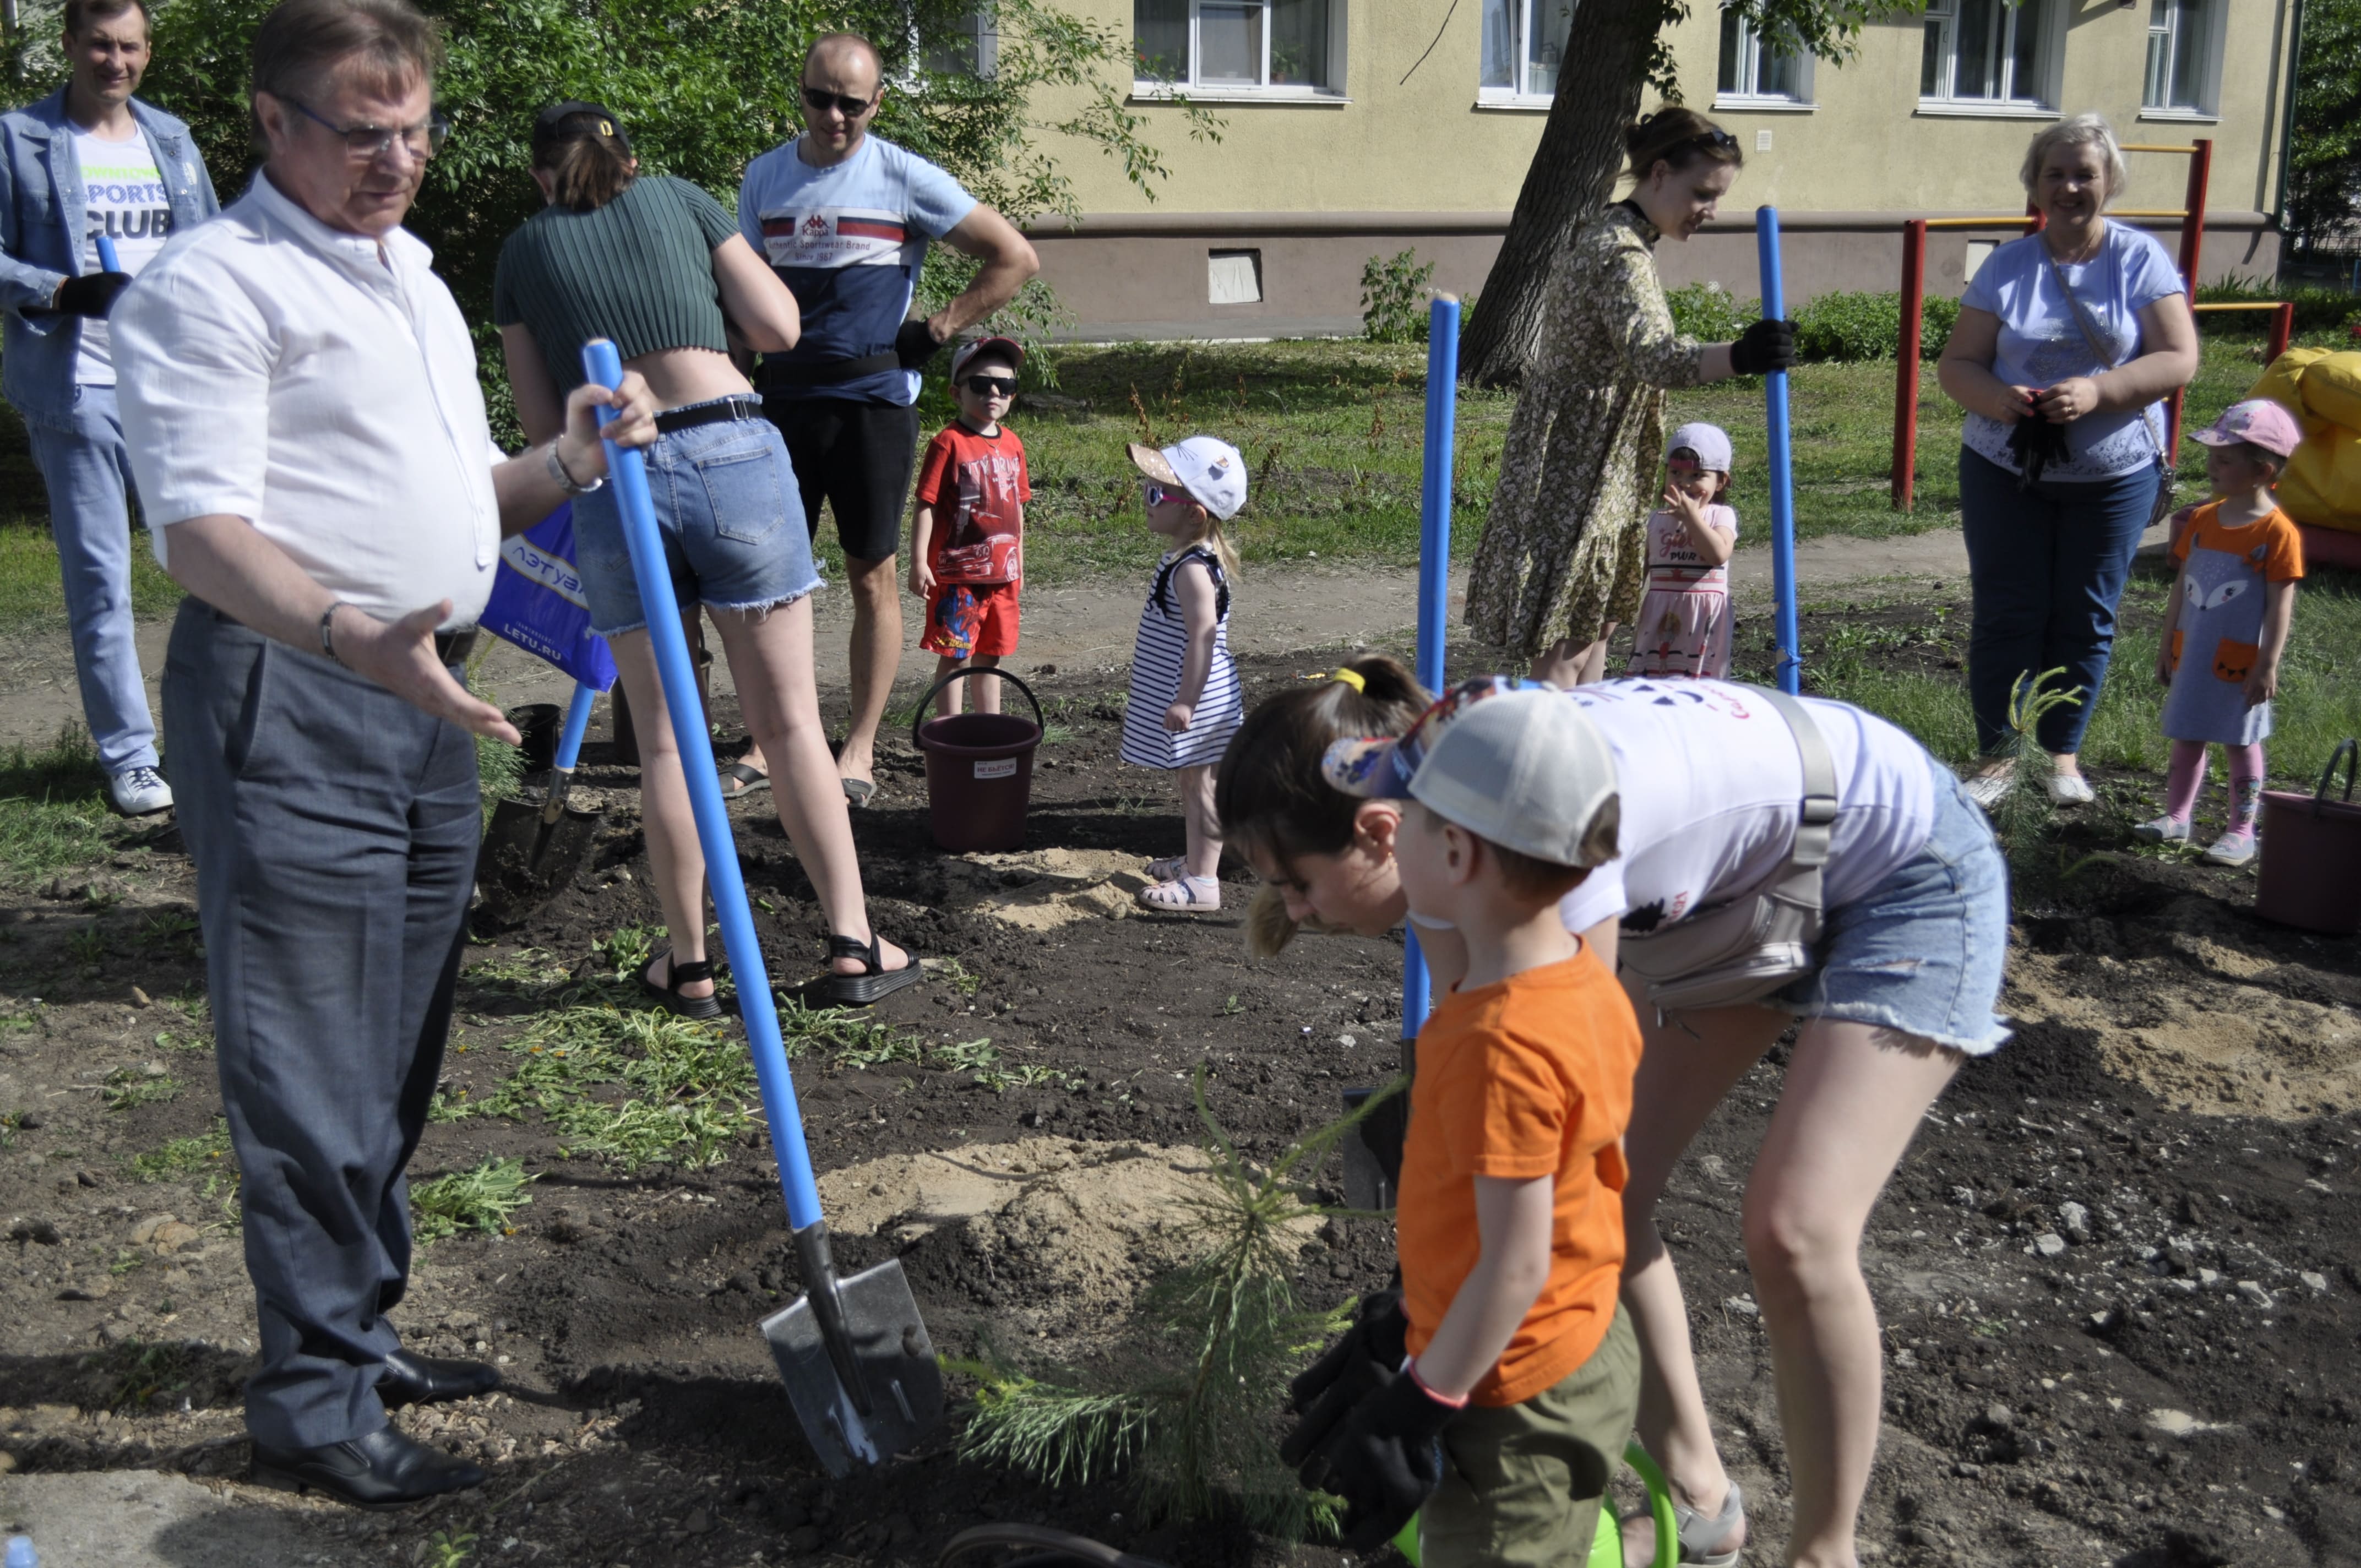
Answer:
(827, 372)
(690, 415)
(451, 647)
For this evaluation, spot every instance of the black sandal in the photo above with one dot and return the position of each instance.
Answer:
(860, 989)
(677, 975)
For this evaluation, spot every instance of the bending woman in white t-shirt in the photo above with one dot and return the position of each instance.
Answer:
(1908, 967)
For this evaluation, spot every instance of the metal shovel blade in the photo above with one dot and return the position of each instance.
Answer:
(527, 857)
(899, 1379)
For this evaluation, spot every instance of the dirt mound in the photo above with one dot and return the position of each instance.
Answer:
(1041, 890)
(1085, 1226)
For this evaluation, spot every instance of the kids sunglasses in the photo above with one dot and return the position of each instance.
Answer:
(991, 386)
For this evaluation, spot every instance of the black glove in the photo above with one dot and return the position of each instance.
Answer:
(1346, 1374)
(1765, 345)
(92, 294)
(1383, 1459)
(2036, 444)
(915, 345)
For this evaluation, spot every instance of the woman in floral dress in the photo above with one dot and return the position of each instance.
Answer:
(1564, 555)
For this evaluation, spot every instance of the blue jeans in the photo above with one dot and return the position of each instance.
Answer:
(89, 477)
(2046, 567)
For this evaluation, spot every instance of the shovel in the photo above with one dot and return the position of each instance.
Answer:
(532, 851)
(854, 1352)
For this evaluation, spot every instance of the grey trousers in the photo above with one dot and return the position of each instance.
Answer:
(333, 828)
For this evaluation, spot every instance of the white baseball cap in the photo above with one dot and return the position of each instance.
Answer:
(1709, 441)
(1006, 348)
(1514, 762)
(1210, 470)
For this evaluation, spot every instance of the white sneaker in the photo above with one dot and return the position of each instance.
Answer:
(1986, 789)
(2230, 850)
(2071, 789)
(139, 792)
(2163, 830)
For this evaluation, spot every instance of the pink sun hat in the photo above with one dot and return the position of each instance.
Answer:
(2259, 422)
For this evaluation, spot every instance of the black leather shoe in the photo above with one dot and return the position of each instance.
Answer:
(423, 1380)
(383, 1470)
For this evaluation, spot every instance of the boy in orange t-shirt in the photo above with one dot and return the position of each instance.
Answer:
(967, 527)
(1519, 1367)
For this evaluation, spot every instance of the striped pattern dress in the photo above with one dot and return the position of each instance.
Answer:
(1157, 662)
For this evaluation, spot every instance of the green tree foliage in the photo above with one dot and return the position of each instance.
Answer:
(2324, 163)
(702, 86)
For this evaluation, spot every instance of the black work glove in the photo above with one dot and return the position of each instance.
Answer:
(1347, 1372)
(1383, 1459)
(2036, 443)
(92, 294)
(915, 345)
(1766, 345)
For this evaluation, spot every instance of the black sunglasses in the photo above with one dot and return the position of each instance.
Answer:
(988, 386)
(1718, 139)
(820, 100)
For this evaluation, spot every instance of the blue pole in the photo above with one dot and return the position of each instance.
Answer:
(107, 259)
(577, 723)
(1783, 486)
(1434, 573)
(626, 472)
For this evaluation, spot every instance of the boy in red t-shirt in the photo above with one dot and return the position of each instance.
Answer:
(967, 532)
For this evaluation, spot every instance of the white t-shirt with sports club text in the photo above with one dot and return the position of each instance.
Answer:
(1711, 783)
(123, 198)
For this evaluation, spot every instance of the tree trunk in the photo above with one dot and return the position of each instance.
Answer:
(1572, 174)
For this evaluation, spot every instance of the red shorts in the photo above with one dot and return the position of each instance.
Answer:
(966, 619)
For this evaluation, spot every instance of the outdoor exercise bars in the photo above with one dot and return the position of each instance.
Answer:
(1783, 487)
(2192, 219)
(1433, 570)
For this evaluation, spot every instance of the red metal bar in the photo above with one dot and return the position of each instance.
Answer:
(1906, 366)
(2192, 256)
(2283, 329)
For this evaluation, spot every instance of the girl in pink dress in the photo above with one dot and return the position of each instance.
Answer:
(1683, 627)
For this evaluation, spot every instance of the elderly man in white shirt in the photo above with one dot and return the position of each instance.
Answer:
(300, 400)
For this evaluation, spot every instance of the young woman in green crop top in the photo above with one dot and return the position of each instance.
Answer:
(656, 265)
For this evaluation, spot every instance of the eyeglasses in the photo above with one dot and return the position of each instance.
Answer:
(992, 386)
(1158, 495)
(366, 144)
(821, 100)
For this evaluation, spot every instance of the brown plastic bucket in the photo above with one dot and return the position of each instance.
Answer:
(2310, 875)
(979, 769)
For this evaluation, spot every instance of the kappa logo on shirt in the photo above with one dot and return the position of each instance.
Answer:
(837, 237)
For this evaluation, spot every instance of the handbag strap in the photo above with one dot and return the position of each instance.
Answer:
(1816, 820)
(2090, 335)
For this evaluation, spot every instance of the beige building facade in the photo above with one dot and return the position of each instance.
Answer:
(1353, 129)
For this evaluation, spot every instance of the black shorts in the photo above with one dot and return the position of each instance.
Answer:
(857, 456)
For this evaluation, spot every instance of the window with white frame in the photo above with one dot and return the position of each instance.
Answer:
(2180, 57)
(970, 47)
(1286, 48)
(1987, 53)
(1524, 48)
(1759, 70)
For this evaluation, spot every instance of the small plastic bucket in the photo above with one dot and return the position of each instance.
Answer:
(537, 724)
(2310, 875)
(979, 769)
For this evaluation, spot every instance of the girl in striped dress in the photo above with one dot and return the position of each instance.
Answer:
(1185, 698)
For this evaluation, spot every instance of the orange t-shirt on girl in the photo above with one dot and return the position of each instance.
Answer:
(1530, 1076)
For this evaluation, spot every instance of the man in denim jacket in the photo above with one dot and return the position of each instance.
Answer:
(90, 160)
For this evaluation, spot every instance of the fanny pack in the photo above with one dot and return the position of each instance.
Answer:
(1746, 948)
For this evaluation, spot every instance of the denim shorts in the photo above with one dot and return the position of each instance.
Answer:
(1923, 950)
(729, 516)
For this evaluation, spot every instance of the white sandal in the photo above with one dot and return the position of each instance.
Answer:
(1190, 892)
(1699, 1531)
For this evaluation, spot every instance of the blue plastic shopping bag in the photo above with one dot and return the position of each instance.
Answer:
(537, 601)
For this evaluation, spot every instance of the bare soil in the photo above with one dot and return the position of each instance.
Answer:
(2120, 1271)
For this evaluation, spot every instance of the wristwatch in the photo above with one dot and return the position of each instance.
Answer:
(565, 481)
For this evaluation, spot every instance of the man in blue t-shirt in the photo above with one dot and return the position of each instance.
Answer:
(845, 218)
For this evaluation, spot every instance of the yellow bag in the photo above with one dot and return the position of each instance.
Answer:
(2323, 482)
(2332, 389)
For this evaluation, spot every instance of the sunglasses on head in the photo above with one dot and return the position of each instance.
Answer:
(991, 386)
(1717, 138)
(821, 99)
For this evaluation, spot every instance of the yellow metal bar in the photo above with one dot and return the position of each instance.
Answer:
(2242, 305)
(2156, 146)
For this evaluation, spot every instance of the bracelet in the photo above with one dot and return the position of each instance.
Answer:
(565, 480)
(1410, 1369)
(327, 630)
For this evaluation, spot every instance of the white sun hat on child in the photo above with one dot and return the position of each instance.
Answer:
(1709, 441)
(1210, 470)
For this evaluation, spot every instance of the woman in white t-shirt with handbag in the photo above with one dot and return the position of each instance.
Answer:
(1829, 871)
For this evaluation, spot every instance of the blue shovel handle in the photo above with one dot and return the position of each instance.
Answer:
(627, 472)
(1783, 470)
(107, 261)
(577, 723)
